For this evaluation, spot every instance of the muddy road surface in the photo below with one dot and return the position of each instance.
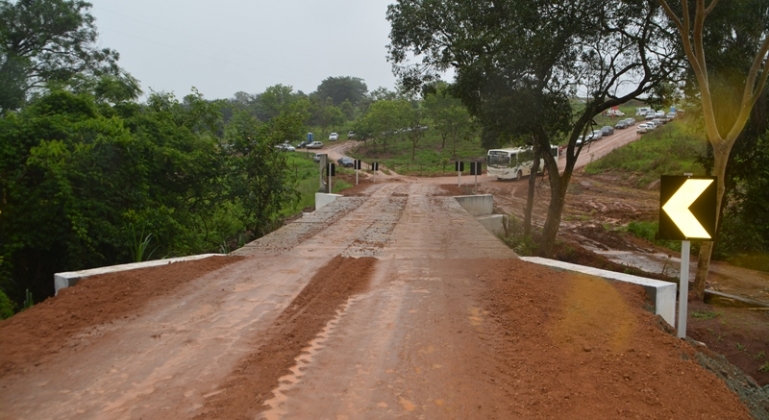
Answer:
(394, 303)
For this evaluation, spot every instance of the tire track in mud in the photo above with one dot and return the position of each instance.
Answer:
(244, 392)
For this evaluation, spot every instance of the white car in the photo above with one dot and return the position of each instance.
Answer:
(643, 128)
(286, 147)
(333, 136)
(595, 135)
(652, 125)
(315, 145)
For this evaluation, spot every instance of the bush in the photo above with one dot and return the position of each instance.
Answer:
(7, 308)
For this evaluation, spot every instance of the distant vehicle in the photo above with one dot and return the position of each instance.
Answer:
(345, 161)
(302, 144)
(613, 112)
(607, 130)
(513, 163)
(671, 115)
(350, 134)
(595, 135)
(643, 128)
(652, 125)
(333, 136)
(639, 112)
(315, 145)
(582, 139)
(630, 121)
(286, 147)
(316, 158)
(621, 124)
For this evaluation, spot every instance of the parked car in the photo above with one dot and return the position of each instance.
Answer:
(345, 161)
(316, 158)
(595, 135)
(315, 145)
(630, 121)
(652, 125)
(286, 147)
(620, 125)
(582, 139)
(350, 134)
(607, 130)
(333, 136)
(302, 144)
(643, 128)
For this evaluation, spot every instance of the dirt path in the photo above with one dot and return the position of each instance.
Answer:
(393, 305)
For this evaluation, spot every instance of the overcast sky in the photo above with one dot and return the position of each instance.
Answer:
(225, 46)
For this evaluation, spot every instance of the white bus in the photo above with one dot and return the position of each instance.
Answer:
(513, 163)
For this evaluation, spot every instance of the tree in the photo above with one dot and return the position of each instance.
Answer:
(518, 63)
(384, 119)
(745, 30)
(449, 116)
(274, 100)
(325, 114)
(341, 89)
(48, 42)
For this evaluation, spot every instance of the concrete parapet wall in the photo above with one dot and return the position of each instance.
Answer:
(70, 278)
(494, 223)
(324, 199)
(662, 293)
(477, 205)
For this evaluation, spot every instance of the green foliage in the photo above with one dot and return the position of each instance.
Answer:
(430, 158)
(28, 300)
(668, 150)
(7, 307)
(80, 176)
(141, 243)
(48, 43)
(341, 89)
(514, 238)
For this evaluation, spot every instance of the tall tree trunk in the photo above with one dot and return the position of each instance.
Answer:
(558, 187)
(721, 151)
(530, 195)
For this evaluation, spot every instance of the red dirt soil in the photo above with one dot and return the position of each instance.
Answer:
(28, 338)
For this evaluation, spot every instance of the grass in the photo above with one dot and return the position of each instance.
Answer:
(648, 230)
(430, 158)
(704, 315)
(669, 150)
(307, 181)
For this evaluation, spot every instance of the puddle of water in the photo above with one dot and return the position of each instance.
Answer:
(306, 357)
(651, 263)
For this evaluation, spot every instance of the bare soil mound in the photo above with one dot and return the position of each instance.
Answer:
(29, 337)
(579, 347)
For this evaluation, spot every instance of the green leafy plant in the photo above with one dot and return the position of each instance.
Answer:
(140, 244)
(760, 355)
(740, 347)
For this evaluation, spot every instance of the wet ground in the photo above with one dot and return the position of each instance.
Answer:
(393, 303)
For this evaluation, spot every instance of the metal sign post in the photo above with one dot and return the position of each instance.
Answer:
(357, 166)
(475, 169)
(683, 298)
(375, 168)
(687, 211)
(459, 167)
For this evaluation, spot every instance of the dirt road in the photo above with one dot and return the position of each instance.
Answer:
(392, 304)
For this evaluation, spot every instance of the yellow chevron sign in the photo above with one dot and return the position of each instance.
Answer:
(687, 207)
